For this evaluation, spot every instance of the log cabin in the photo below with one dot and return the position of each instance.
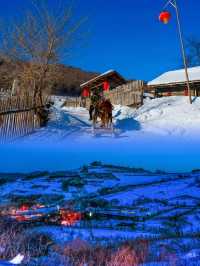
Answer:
(174, 83)
(106, 81)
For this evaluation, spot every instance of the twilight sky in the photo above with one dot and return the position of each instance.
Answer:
(126, 35)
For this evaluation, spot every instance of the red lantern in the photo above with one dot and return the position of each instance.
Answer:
(186, 92)
(164, 17)
(24, 208)
(106, 86)
(86, 92)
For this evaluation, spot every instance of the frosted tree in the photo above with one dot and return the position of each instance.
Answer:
(41, 39)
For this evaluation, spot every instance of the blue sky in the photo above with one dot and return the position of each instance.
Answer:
(169, 153)
(126, 35)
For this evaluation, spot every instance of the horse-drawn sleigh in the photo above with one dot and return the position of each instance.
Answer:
(101, 111)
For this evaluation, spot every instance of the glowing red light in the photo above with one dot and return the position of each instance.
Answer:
(69, 218)
(24, 208)
(164, 17)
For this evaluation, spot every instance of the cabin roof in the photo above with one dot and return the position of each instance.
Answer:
(110, 75)
(176, 77)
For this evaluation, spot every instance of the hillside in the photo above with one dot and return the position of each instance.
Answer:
(102, 205)
(66, 80)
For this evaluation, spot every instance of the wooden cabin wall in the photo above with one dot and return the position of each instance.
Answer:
(173, 91)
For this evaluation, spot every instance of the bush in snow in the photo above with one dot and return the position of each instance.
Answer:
(80, 253)
(10, 237)
(15, 240)
(73, 182)
(125, 256)
(54, 259)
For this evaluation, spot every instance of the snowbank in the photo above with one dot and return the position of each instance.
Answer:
(170, 116)
(124, 118)
(163, 116)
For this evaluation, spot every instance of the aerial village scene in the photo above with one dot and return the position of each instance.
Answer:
(99, 133)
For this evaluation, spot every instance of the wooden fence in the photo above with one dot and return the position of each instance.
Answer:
(74, 102)
(130, 94)
(17, 117)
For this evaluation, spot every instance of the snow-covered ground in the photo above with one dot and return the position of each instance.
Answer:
(164, 116)
(162, 134)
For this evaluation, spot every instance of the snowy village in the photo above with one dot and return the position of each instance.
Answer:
(99, 133)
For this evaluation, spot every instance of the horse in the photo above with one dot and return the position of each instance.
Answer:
(103, 110)
(106, 113)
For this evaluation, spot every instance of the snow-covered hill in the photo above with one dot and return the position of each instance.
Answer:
(116, 204)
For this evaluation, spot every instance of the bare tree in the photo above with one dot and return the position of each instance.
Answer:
(43, 38)
(193, 51)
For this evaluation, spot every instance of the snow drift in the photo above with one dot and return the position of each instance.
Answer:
(170, 115)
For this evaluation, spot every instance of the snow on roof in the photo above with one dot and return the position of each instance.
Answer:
(176, 76)
(104, 74)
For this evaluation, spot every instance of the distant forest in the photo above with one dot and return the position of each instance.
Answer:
(66, 80)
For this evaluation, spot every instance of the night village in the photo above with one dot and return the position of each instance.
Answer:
(99, 133)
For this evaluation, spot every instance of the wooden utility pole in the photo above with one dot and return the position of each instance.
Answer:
(174, 4)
